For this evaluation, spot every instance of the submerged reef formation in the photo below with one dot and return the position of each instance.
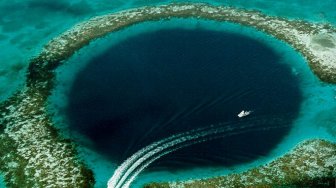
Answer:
(33, 154)
(311, 164)
(316, 42)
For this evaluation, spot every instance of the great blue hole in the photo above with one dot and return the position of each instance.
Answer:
(160, 83)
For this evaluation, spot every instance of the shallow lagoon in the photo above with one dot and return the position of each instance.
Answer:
(317, 97)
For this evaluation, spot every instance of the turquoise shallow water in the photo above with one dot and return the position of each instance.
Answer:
(2, 183)
(26, 26)
(316, 118)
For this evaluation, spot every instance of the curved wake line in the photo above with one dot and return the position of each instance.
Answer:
(127, 172)
(123, 171)
(119, 172)
(150, 161)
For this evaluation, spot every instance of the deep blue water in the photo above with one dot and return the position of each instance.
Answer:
(156, 84)
(25, 26)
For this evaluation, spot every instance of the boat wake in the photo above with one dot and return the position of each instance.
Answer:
(127, 172)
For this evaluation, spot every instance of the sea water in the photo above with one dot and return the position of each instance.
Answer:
(2, 181)
(311, 104)
(161, 83)
(25, 26)
(22, 35)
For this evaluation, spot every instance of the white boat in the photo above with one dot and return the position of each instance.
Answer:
(244, 113)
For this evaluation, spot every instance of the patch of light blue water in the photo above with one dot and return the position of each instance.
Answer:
(321, 11)
(25, 26)
(2, 181)
(314, 121)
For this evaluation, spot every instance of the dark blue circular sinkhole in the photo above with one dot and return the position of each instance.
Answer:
(157, 84)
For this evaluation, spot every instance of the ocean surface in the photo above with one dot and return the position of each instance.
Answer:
(162, 83)
(2, 182)
(238, 81)
(158, 95)
(25, 26)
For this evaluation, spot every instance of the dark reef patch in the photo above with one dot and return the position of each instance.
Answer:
(161, 83)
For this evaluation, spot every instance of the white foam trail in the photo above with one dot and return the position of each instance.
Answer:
(169, 150)
(142, 158)
(148, 162)
(119, 172)
(122, 173)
